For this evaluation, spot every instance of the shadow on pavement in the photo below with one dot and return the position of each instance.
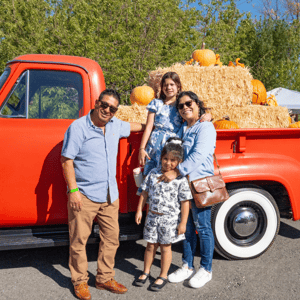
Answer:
(289, 231)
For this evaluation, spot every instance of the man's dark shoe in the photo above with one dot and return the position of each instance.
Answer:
(112, 286)
(82, 291)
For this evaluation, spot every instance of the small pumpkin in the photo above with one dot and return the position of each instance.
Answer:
(225, 123)
(218, 61)
(189, 62)
(237, 63)
(205, 57)
(259, 95)
(271, 100)
(142, 95)
(295, 125)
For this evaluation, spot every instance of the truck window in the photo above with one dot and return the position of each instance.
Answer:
(15, 106)
(44, 94)
(4, 76)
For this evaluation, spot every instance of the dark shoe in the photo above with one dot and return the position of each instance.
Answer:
(112, 286)
(141, 282)
(157, 287)
(82, 291)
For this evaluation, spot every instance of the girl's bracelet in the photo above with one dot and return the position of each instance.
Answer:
(142, 148)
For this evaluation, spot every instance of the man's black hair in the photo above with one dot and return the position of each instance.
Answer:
(110, 92)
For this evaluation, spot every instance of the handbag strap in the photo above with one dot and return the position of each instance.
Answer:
(215, 158)
(217, 164)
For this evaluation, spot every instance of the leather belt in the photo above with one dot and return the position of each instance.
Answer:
(156, 213)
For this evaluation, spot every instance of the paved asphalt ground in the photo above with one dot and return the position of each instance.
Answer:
(42, 274)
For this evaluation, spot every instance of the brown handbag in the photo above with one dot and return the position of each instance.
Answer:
(209, 190)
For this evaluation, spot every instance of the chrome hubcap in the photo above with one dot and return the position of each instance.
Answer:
(244, 221)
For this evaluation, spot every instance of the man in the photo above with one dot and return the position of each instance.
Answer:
(88, 159)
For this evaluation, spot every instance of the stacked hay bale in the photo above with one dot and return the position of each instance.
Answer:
(227, 91)
(133, 113)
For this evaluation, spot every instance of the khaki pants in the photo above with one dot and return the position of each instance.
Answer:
(80, 226)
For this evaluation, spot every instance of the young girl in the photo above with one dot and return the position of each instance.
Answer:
(167, 201)
(164, 117)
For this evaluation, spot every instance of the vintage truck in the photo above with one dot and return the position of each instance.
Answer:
(40, 95)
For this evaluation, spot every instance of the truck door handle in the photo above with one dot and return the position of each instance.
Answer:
(239, 146)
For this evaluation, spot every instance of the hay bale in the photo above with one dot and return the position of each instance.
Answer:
(226, 90)
(133, 113)
(217, 86)
(255, 116)
(249, 116)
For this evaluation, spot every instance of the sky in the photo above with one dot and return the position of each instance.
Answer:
(244, 6)
(249, 6)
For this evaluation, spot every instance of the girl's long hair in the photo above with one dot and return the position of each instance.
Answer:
(174, 76)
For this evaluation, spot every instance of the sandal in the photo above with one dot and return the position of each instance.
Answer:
(141, 282)
(157, 287)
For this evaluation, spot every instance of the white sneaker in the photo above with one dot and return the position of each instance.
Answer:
(181, 274)
(200, 278)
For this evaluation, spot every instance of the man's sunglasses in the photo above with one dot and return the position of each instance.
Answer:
(187, 103)
(105, 105)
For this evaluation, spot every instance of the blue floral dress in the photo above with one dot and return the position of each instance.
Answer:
(167, 122)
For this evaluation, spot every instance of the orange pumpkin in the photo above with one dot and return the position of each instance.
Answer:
(271, 100)
(295, 125)
(218, 61)
(239, 64)
(259, 95)
(225, 123)
(189, 62)
(231, 64)
(142, 95)
(205, 57)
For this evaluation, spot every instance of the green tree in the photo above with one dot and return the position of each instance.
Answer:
(218, 22)
(127, 38)
(273, 53)
(23, 28)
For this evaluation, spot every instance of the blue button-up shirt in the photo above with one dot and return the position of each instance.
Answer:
(199, 142)
(95, 156)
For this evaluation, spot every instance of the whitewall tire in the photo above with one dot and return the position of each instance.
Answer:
(245, 225)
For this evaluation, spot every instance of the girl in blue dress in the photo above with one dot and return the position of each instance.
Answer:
(163, 122)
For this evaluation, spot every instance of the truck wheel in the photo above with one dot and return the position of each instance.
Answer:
(245, 225)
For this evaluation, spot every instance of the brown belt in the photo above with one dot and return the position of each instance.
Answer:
(156, 213)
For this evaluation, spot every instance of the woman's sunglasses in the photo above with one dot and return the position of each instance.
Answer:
(187, 103)
(105, 105)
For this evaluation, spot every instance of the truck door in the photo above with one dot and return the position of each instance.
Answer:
(33, 119)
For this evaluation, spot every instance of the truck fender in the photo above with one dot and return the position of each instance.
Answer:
(261, 166)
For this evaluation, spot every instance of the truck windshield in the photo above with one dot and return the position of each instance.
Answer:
(4, 76)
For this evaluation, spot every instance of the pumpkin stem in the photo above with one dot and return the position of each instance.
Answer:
(203, 46)
(226, 118)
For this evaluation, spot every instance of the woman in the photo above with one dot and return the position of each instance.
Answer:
(199, 145)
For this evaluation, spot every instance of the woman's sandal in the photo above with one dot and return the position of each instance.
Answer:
(141, 282)
(157, 287)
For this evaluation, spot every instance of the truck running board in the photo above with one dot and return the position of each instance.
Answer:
(50, 236)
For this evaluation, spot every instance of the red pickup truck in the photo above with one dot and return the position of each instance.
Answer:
(40, 95)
